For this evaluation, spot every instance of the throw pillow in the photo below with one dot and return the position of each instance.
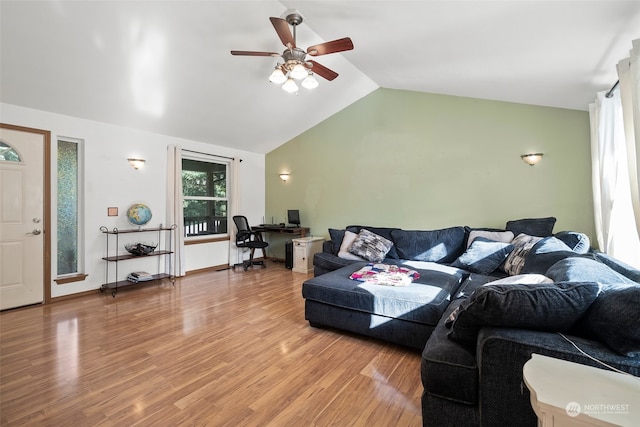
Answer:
(551, 307)
(578, 242)
(540, 227)
(380, 231)
(545, 253)
(370, 246)
(346, 244)
(522, 244)
(483, 256)
(496, 236)
(614, 319)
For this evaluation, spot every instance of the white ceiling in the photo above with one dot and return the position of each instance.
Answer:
(165, 66)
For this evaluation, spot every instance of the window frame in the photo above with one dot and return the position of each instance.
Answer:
(80, 238)
(218, 161)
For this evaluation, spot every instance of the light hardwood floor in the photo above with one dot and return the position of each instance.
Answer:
(221, 349)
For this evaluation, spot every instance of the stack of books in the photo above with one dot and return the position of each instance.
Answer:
(139, 276)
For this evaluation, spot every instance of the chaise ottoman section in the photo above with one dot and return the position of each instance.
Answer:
(404, 315)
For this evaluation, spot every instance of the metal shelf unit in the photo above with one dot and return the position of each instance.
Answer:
(115, 258)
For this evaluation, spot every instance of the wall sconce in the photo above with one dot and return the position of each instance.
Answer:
(532, 158)
(136, 163)
(285, 176)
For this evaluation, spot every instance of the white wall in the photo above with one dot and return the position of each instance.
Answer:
(111, 181)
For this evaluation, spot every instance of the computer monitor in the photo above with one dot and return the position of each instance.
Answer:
(293, 217)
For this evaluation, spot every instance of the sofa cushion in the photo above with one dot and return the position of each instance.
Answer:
(380, 231)
(614, 319)
(370, 246)
(483, 256)
(540, 227)
(442, 246)
(624, 269)
(579, 269)
(522, 244)
(423, 301)
(324, 263)
(545, 253)
(336, 239)
(449, 369)
(578, 242)
(546, 307)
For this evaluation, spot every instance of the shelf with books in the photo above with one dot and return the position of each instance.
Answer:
(113, 256)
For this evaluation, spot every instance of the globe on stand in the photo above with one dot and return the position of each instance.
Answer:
(138, 214)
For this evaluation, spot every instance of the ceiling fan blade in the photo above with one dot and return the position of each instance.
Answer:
(323, 71)
(282, 28)
(334, 46)
(252, 53)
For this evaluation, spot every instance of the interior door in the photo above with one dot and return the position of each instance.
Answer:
(22, 211)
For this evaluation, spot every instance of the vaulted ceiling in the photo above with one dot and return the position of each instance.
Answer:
(164, 66)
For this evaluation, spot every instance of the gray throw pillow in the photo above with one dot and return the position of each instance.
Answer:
(553, 307)
(483, 256)
(578, 242)
(370, 246)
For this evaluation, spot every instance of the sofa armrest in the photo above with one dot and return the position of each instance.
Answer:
(501, 354)
(327, 247)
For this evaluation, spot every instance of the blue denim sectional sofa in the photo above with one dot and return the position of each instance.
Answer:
(475, 336)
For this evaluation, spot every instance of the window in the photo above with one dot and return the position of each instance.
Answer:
(8, 154)
(204, 189)
(68, 207)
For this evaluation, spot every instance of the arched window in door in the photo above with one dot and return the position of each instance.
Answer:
(8, 153)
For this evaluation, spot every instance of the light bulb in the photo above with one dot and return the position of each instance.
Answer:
(290, 86)
(310, 82)
(299, 72)
(277, 77)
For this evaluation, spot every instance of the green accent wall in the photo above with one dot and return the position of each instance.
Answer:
(423, 161)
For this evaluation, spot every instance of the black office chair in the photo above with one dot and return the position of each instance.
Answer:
(246, 238)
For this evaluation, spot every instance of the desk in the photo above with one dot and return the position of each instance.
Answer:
(571, 394)
(281, 231)
(294, 231)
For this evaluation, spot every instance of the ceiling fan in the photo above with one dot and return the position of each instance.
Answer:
(295, 65)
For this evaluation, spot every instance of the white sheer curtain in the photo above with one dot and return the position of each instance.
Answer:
(629, 75)
(614, 171)
(174, 204)
(235, 254)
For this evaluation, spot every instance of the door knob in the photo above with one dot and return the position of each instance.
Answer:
(35, 231)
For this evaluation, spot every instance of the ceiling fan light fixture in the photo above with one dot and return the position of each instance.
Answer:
(310, 82)
(299, 72)
(290, 86)
(277, 76)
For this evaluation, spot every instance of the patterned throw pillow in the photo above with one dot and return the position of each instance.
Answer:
(522, 245)
(370, 246)
(345, 247)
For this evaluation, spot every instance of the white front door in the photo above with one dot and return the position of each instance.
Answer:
(22, 222)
